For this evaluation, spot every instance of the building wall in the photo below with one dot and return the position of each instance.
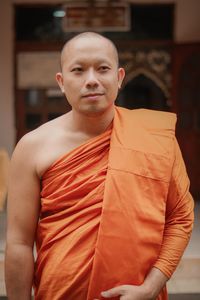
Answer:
(186, 29)
(187, 23)
(7, 128)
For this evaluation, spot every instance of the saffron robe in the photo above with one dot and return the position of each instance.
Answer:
(112, 209)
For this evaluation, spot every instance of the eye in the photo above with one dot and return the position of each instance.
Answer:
(77, 70)
(104, 68)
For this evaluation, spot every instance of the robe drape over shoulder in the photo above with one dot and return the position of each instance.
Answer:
(112, 209)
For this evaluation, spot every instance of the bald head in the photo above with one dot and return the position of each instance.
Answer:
(94, 38)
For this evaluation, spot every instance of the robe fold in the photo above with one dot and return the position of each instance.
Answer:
(71, 204)
(112, 209)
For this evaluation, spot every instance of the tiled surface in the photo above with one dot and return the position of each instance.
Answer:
(184, 297)
(186, 278)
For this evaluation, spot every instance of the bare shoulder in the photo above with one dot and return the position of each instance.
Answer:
(35, 138)
(34, 147)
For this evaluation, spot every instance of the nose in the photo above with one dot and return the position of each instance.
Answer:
(91, 79)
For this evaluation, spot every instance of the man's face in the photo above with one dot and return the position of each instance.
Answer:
(90, 76)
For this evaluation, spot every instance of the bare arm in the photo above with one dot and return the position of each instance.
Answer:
(23, 212)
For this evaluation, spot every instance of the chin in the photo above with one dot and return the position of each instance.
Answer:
(94, 110)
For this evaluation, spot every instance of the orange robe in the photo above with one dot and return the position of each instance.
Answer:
(112, 209)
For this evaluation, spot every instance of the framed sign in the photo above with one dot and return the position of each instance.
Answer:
(99, 16)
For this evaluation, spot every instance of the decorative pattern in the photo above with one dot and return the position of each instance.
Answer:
(153, 63)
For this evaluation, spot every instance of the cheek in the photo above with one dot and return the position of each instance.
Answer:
(70, 86)
(69, 92)
(110, 81)
(113, 87)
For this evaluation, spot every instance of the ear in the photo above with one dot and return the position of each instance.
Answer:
(59, 79)
(121, 75)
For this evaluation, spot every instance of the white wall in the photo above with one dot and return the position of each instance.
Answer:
(187, 29)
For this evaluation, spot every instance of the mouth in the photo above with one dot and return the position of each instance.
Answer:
(93, 96)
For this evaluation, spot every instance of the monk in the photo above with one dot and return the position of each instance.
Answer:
(102, 190)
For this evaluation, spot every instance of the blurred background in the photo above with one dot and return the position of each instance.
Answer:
(159, 47)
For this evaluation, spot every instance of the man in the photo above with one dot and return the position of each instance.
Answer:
(103, 190)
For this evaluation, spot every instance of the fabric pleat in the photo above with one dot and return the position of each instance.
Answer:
(71, 205)
(112, 209)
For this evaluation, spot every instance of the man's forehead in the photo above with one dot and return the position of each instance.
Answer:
(90, 43)
(86, 60)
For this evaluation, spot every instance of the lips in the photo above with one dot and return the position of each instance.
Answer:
(93, 95)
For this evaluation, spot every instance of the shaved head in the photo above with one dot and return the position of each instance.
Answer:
(91, 36)
(90, 76)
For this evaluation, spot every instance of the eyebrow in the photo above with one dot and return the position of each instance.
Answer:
(83, 62)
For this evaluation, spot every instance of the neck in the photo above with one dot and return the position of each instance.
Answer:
(91, 125)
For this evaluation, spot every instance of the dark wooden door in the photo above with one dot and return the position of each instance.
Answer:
(186, 95)
(36, 106)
